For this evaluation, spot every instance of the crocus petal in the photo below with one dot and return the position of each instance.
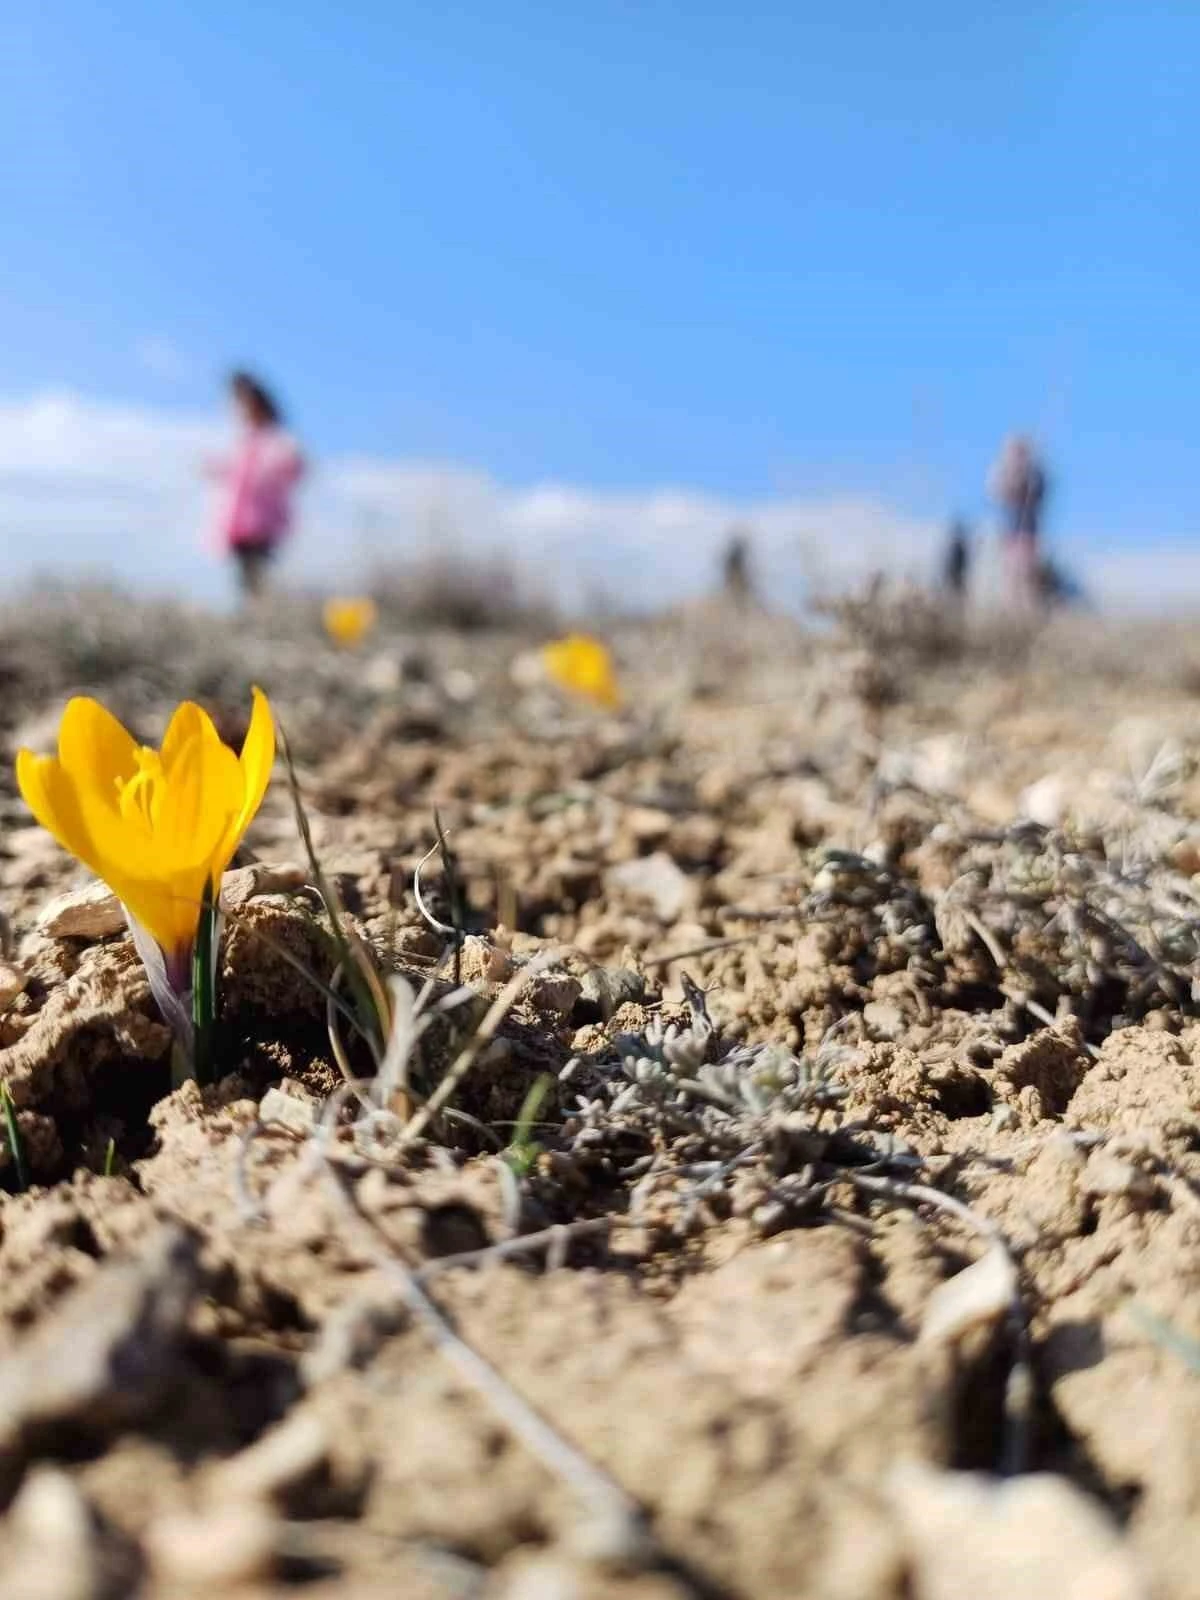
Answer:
(80, 818)
(257, 762)
(94, 747)
(257, 758)
(196, 806)
(188, 722)
(191, 817)
(50, 795)
(167, 912)
(85, 825)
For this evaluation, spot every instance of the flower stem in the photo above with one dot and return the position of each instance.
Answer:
(204, 990)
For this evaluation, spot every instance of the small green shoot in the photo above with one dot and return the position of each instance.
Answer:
(110, 1159)
(453, 894)
(523, 1151)
(12, 1134)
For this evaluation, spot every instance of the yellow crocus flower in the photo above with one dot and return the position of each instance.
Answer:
(582, 665)
(348, 621)
(159, 826)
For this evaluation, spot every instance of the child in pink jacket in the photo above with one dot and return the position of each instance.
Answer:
(256, 484)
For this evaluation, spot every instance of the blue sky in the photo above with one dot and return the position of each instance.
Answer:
(745, 252)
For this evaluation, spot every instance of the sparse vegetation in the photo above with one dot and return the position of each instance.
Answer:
(447, 588)
(630, 1134)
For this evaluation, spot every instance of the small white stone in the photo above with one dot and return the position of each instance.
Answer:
(1107, 1174)
(53, 1553)
(287, 1111)
(981, 1293)
(50, 1508)
(92, 912)
(658, 879)
(231, 1544)
(382, 674)
(259, 879)
(460, 685)
(1010, 1539)
(1047, 801)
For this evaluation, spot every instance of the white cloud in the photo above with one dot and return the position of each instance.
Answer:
(646, 547)
(1146, 577)
(162, 358)
(99, 486)
(86, 483)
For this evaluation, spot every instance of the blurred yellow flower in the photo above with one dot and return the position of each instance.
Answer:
(159, 826)
(348, 621)
(583, 666)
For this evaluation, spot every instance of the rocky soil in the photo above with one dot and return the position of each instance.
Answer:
(784, 1180)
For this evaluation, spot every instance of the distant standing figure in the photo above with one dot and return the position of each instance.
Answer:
(256, 481)
(956, 564)
(735, 567)
(1018, 484)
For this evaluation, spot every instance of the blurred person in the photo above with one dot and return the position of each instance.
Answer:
(1060, 587)
(956, 561)
(256, 481)
(1017, 482)
(735, 568)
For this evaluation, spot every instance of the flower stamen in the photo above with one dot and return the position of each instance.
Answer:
(139, 795)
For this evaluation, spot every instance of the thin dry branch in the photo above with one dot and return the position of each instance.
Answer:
(552, 1240)
(616, 1527)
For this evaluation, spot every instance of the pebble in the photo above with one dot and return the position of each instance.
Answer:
(1007, 1539)
(288, 1111)
(259, 879)
(231, 1544)
(1108, 1174)
(554, 994)
(56, 1555)
(92, 912)
(12, 982)
(979, 1295)
(655, 878)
